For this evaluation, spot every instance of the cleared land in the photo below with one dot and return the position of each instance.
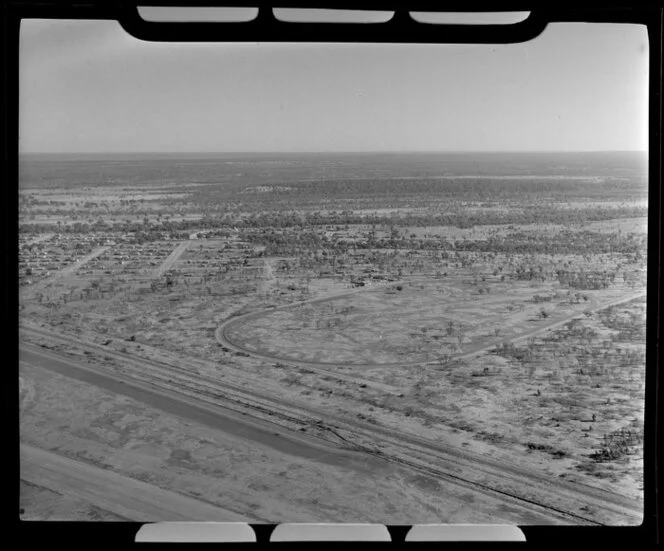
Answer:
(225, 469)
(126, 497)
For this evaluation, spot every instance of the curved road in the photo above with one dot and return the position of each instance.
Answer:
(221, 333)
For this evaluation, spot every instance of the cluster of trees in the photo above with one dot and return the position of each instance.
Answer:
(466, 189)
(630, 328)
(583, 280)
(529, 273)
(509, 350)
(295, 241)
(141, 237)
(542, 298)
(618, 443)
(577, 243)
(564, 242)
(574, 329)
(454, 216)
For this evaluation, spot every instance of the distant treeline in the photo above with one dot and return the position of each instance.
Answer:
(420, 192)
(241, 170)
(582, 242)
(454, 215)
(478, 189)
(459, 218)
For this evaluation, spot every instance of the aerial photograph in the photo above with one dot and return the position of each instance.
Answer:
(337, 282)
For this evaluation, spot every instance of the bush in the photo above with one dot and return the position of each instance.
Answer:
(621, 442)
(539, 447)
(511, 351)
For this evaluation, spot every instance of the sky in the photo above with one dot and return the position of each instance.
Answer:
(87, 86)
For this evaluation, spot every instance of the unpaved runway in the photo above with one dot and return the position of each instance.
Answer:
(113, 492)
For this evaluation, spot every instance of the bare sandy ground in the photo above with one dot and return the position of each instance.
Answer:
(113, 492)
(114, 433)
(40, 504)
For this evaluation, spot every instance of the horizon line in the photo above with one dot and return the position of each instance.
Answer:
(326, 152)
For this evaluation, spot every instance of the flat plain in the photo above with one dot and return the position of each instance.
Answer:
(393, 338)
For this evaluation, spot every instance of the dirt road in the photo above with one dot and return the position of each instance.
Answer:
(171, 259)
(595, 306)
(68, 269)
(113, 492)
(223, 338)
(40, 239)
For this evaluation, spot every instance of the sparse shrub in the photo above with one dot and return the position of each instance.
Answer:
(511, 351)
(492, 437)
(290, 378)
(540, 447)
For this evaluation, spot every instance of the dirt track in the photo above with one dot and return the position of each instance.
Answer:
(221, 333)
(119, 494)
(40, 239)
(69, 269)
(172, 258)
